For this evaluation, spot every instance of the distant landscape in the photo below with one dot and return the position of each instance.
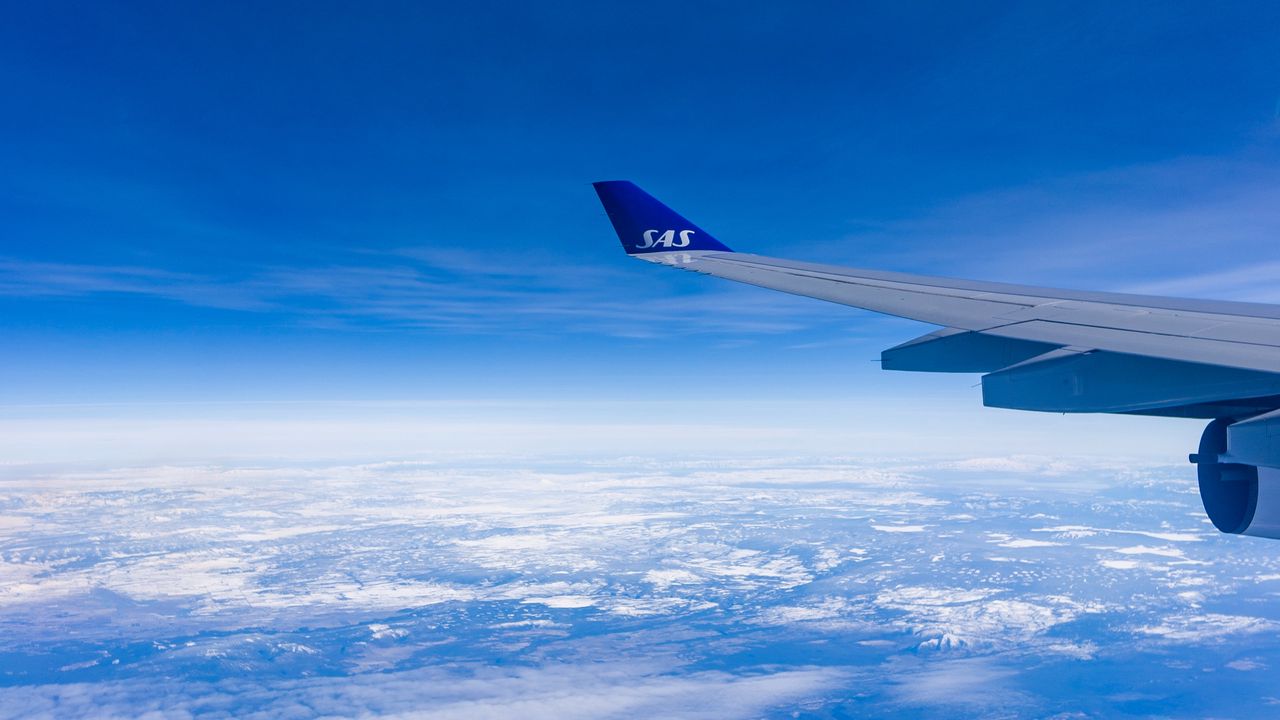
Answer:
(980, 587)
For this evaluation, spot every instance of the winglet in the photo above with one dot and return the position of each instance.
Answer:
(645, 225)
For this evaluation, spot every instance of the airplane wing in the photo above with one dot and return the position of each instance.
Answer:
(1043, 349)
(1038, 348)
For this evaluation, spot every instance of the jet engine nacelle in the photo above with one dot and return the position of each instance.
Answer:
(1240, 498)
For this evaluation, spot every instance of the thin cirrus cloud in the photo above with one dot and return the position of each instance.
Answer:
(1255, 282)
(1184, 225)
(1188, 226)
(458, 294)
(567, 691)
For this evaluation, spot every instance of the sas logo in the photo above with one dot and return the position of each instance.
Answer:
(668, 239)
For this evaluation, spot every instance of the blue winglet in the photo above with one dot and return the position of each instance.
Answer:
(645, 225)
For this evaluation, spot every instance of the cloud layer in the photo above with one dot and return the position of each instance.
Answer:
(626, 588)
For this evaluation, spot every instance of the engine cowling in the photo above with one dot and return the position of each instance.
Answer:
(1240, 498)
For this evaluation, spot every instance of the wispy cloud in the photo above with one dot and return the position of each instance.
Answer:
(1188, 226)
(556, 692)
(453, 291)
(1254, 282)
(972, 683)
(25, 278)
(1190, 221)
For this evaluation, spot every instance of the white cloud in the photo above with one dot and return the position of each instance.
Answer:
(663, 579)
(1079, 531)
(952, 618)
(402, 562)
(558, 691)
(380, 631)
(1170, 552)
(562, 601)
(1028, 543)
(1207, 627)
(971, 682)
(1076, 651)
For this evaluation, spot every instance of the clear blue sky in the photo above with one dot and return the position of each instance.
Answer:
(390, 201)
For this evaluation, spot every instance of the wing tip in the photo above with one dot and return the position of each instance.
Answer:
(645, 225)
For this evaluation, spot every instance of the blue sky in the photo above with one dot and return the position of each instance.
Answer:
(315, 202)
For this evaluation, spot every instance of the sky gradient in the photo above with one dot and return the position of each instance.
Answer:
(304, 205)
